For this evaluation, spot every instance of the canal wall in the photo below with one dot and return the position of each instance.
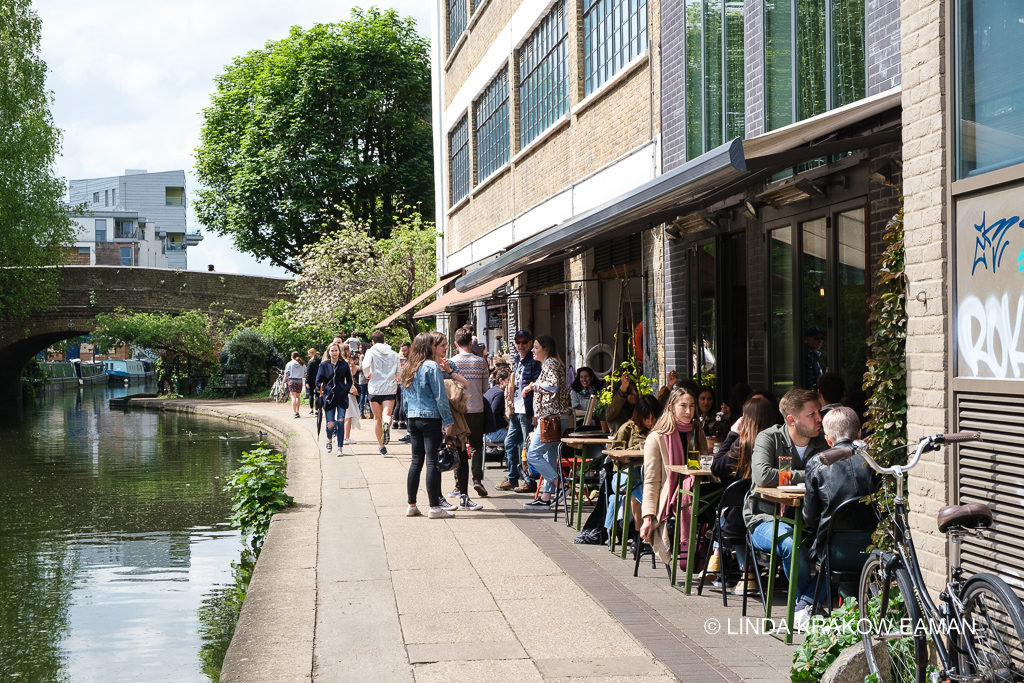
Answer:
(274, 638)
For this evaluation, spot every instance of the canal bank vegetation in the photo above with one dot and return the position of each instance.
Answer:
(257, 489)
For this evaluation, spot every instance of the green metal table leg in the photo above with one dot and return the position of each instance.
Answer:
(675, 540)
(770, 590)
(579, 501)
(794, 566)
(691, 555)
(615, 508)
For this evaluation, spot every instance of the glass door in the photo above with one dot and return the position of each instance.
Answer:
(780, 312)
(703, 313)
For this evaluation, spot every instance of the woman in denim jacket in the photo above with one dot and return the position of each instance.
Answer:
(429, 416)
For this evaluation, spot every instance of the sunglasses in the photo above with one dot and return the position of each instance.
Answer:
(522, 342)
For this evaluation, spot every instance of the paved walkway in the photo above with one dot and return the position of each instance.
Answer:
(348, 588)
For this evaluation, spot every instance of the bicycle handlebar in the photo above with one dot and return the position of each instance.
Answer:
(926, 444)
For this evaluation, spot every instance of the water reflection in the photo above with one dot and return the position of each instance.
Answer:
(114, 541)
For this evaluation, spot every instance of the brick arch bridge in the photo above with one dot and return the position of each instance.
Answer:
(86, 291)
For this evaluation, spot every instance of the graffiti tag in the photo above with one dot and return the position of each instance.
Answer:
(989, 335)
(991, 242)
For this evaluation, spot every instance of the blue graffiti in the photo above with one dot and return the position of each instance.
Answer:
(991, 242)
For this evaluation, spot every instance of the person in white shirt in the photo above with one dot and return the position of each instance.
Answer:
(292, 377)
(380, 365)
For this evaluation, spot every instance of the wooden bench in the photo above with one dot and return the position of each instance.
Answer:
(232, 382)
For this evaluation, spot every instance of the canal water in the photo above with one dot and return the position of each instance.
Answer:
(117, 561)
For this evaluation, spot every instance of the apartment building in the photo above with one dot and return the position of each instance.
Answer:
(137, 219)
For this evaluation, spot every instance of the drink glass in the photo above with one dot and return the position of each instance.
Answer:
(785, 473)
(705, 462)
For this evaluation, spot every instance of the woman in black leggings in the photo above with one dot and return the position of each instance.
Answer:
(429, 417)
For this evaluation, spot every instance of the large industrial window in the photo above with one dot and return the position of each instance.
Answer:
(544, 75)
(814, 57)
(456, 21)
(989, 86)
(714, 73)
(614, 32)
(490, 119)
(458, 159)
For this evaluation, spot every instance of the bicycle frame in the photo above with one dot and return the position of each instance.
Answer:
(905, 554)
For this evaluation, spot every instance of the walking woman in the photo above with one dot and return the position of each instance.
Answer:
(674, 436)
(550, 401)
(334, 381)
(294, 374)
(312, 365)
(352, 413)
(429, 417)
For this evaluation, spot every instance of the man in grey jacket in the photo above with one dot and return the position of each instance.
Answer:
(785, 449)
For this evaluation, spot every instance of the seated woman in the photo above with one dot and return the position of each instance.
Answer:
(624, 398)
(732, 464)
(674, 435)
(583, 387)
(631, 436)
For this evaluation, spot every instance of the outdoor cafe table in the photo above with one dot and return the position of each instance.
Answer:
(582, 444)
(697, 505)
(793, 500)
(623, 458)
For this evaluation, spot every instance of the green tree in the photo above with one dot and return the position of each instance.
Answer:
(328, 122)
(354, 282)
(251, 353)
(188, 342)
(35, 230)
(279, 326)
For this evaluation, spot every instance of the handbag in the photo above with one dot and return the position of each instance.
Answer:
(550, 429)
(447, 457)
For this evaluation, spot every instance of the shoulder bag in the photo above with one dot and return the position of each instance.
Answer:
(550, 429)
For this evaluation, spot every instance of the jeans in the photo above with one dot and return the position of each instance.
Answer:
(364, 398)
(761, 536)
(619, 482)
(543, 457)
(496, 437)
(519, 428)
(425, 438)
(331, 418)
(476, 445)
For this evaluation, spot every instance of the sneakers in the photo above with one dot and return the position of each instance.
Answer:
(527, 486)
(537, 504)
(405, 439)
(506, 485)
(455, 493)
(466, 503)
(480, 489)
(413, 511)
(383, 451)
(350, 442)
(802, 619)
(748, 584)
(713, 569)
(445, 505)
(439, 513)
(328, 445)
(385, 433)
(296, 416)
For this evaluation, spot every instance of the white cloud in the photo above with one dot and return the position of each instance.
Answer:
(130, 80)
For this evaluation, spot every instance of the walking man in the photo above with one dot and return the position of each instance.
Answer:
(380, 365)
(474, 369)
(520, 423)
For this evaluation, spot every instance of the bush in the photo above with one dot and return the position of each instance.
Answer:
(257, 487)
(250, 353)
(826, 639)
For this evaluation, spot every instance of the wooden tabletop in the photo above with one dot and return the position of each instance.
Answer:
(575, 441)
(773, 495)
(624, 454)
(683, 469)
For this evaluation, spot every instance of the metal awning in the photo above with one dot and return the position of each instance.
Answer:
(712, 176)
(422, 297)
(455, 298)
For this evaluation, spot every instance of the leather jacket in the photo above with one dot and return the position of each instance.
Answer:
(829, 486)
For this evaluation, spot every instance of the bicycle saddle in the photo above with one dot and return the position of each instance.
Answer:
(969, 516)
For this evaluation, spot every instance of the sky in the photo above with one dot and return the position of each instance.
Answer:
(130, 80)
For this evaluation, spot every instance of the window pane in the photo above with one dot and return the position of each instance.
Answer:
(614, 32)
(544, 75)
(713, 72)
(101, 229)
(490, 116)
(851, 313)
(174, 196)
(813, 299)
(456, 21)
(126, 256)
(810, 50)
(694, 80)
(780, 252)
(848, 62)
(458, 160)
(778, 63)
(990, 86)
(734, 70)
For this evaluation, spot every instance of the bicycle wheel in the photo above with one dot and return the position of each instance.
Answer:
(992, 643)
(893, 651)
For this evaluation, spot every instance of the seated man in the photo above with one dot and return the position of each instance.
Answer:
(831, 389)
(829, 486)
(785, 449)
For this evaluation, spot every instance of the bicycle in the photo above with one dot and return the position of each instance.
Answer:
(977, 632)
(278, 392)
